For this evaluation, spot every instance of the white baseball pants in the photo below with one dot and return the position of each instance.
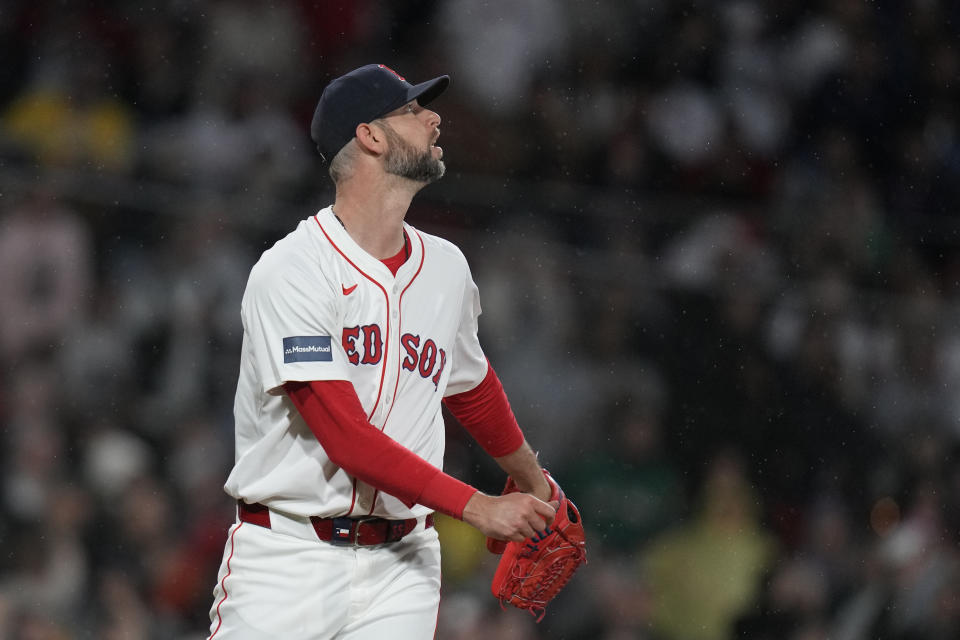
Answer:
(280, 583)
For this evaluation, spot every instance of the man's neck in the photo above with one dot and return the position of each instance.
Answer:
(373, 216)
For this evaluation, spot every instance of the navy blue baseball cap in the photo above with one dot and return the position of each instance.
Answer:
(363, 95)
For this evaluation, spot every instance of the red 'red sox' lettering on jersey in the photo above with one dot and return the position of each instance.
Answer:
(427, 359)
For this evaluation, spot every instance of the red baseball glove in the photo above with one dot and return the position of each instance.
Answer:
(531, 573)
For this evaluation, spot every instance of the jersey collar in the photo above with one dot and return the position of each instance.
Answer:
(365, 262)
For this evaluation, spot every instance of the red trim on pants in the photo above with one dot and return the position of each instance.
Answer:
(223, 581)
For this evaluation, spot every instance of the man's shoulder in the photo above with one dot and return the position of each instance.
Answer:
(290, 254)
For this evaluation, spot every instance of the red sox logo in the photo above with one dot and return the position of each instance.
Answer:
(364, 345)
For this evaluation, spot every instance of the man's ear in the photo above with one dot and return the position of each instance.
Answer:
(371, 139)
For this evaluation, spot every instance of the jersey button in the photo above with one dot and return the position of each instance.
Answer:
(394, 314)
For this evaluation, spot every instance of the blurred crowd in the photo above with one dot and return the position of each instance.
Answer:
(717, 249)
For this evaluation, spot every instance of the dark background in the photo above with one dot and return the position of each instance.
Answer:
(716, 245)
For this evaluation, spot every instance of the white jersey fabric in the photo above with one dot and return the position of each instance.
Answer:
(318, 307)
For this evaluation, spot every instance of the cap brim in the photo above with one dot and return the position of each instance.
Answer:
(427, 91)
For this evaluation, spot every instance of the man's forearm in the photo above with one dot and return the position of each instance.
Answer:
(523, 467)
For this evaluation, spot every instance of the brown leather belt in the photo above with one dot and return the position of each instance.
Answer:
(347, 531)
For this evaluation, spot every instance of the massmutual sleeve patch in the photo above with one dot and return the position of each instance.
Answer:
(307, 349)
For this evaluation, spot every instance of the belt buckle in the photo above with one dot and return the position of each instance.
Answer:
(346, 531)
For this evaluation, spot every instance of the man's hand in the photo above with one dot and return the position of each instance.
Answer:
(514, 516)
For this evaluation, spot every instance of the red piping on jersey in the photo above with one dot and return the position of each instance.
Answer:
(353, 495)
(223, 581)
(423, 252)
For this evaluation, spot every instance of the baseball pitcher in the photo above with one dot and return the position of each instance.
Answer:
(357, 326)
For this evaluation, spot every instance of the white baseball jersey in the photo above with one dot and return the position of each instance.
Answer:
(318, 307)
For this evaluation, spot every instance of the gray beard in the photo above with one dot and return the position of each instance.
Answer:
(405, 161)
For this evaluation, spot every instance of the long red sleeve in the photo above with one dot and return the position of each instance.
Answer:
(485, 413)
(334, 414)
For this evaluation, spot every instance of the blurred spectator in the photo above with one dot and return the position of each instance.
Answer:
(34, 445)
(913, 593)
(632, 489)
(248, 38)
(498, 53)
(705, 573)
(162, 65)
(687, 125)
(69, 114)
(121, 613)
(52, 565)
(46, 257)
(112, 458)
(749, 79)
(803, 589)
(96, 363)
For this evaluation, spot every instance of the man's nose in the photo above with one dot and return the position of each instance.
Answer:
(433, 118)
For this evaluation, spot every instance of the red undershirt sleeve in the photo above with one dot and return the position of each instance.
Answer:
(334, 414)
(485, 413)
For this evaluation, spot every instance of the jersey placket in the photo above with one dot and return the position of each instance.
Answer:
(402, 281)
(391, 361)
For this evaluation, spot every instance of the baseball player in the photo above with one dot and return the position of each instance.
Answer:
(357, 326)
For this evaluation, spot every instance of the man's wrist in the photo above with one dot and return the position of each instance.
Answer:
(538, 486)
(473, 509)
